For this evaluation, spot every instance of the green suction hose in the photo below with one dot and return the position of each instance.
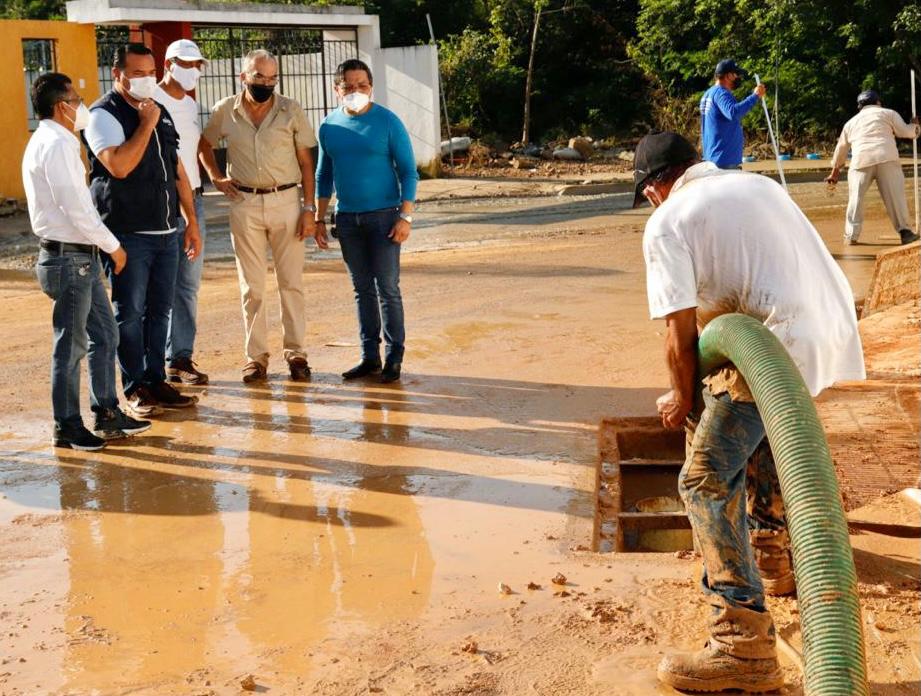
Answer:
(833, 641)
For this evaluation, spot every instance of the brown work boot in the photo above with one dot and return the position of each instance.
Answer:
(711, 669)
(299, 369)
(254, 372)
(143, 404)
(772, 556)
(185, 371)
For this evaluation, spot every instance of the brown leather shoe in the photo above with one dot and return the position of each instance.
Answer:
(254, 372)
(299, 369)
(712, 669)
(772, 556)
(185, 371)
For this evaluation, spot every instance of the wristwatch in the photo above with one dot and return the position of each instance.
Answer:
(407, 217)
(309, 208)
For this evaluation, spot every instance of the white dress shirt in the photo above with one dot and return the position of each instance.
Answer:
(871, 135)
(54, 177)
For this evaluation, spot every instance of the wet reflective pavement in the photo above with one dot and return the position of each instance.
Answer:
(272, 520)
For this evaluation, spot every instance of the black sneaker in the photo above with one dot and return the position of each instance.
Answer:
(169, 397)
(908, 236)
(77, 437)
(112, 424)
(184, 370)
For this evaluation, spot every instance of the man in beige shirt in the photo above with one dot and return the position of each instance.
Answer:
(268, 139)
(870, 135)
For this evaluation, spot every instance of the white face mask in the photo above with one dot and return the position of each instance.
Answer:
(356, 101)
(186, 77)
(142, 87)
(82, 117)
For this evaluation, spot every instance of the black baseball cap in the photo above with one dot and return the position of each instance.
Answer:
(867, 97)
(728, 65)
(654, 153)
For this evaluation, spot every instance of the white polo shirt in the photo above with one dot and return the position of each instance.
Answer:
(727, 241)
(187, 122)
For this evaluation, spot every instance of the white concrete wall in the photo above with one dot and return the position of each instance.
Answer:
(406, 82)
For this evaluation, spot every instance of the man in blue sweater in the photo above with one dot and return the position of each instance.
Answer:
(721, 116)
(366, 153)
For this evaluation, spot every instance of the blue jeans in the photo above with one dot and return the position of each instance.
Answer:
(373, 260)
(83, 325)
(143, 296)
(180, 342)
(729, 485)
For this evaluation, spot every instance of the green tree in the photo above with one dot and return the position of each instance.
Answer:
(32, 9)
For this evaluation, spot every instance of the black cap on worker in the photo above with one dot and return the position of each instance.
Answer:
(867, 97)
(728, 65)
(656, 152)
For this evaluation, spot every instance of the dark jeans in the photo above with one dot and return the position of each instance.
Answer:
(373, 260)
(182, 324)
(83, 325)
(143, 296)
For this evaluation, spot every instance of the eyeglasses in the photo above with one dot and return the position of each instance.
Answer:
(73, 100)
(261, 79)
(654, 178)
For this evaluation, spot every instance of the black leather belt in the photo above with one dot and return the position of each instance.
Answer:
(260, 191)
(65, 247)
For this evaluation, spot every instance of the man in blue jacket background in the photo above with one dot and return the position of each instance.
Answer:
(721, 116)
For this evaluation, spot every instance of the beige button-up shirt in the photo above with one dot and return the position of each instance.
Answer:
(870, 135)
(265, 156)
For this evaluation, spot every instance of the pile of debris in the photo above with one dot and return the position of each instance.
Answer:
(468, 153)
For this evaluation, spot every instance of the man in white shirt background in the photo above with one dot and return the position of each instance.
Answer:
(69, 268)
(870, 135)
(184, 63)
(722, 242)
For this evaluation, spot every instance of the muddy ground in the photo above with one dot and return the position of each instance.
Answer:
(331, 538)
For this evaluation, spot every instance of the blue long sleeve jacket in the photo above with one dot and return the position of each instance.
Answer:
(721, 125)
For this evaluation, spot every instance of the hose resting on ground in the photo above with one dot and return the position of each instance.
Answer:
(826, 581)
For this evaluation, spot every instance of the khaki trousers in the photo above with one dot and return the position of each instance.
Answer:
(258, 221)
(891, 184)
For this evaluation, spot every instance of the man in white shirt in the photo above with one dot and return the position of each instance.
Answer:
(184, 63)
(723, 242)
(870, 135)
(69, 268)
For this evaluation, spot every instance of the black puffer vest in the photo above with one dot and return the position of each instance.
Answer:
(147, 199)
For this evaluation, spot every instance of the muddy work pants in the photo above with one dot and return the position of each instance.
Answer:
(730, 488)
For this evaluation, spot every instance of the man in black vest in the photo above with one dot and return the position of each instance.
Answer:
(138, 185)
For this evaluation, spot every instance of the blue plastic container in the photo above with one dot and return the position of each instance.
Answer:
(749, 158)
(785, 157)
(813, 156)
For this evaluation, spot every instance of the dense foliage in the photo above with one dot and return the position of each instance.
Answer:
(621, 67)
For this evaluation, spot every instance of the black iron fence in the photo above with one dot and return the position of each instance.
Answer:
(306, 63)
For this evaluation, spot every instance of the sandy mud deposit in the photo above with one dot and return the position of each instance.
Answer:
(327, 538)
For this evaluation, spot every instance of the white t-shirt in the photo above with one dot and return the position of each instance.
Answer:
(736, 242)
(187, 122)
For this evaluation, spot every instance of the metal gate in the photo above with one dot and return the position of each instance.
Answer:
(306, 61)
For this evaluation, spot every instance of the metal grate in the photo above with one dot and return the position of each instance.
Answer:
(307, 61)
(37, 58)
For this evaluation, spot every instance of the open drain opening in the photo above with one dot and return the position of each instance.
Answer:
(637, 507)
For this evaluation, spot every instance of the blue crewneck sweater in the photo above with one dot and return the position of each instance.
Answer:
(721, 125)
(368, 157)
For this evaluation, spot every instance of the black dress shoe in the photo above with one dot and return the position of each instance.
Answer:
(363, 369)
(390, 373)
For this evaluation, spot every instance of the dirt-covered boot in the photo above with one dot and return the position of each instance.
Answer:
(772, 556)
(711, 669)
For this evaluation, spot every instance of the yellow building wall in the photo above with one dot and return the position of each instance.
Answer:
(75, 56)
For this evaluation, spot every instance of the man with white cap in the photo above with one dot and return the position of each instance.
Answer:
(184, 62)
